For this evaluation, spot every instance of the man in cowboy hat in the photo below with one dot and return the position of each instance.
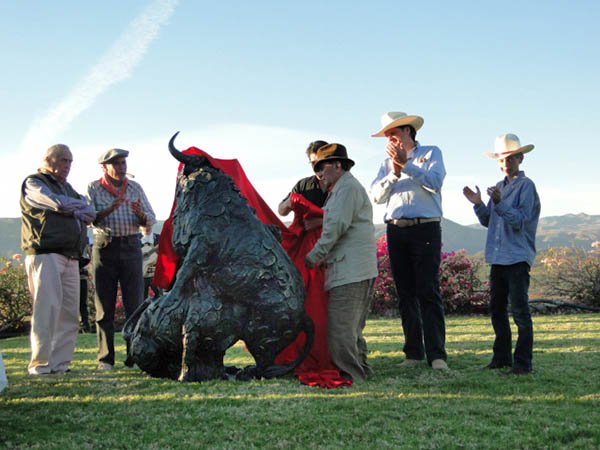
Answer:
(511, 217)
(347, 248)
(409, 182)
(121, 209)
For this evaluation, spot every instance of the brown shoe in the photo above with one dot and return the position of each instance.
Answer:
(105, 367)
(439, 364)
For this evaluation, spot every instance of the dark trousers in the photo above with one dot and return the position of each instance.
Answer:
(415, 254)
(118, 262)
(83, 307)
(148, 284)
(511, 282)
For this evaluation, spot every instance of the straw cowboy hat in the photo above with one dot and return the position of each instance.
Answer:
(506, 145)
(332, 152)
(397, 119)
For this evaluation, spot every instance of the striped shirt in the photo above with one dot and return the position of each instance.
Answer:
(122, 221)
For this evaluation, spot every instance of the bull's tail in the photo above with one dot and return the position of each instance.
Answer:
(279, 370)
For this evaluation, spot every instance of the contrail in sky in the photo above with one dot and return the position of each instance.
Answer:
(116, 65)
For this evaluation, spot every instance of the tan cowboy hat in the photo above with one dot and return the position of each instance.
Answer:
(397, 119)
(506, 145)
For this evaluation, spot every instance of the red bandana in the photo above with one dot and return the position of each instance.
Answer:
(110, 188)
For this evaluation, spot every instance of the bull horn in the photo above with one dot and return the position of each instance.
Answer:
(182, 157)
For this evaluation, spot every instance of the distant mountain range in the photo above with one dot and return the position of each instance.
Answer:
(578, 230)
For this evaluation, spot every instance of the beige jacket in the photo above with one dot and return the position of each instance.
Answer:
(348, 239)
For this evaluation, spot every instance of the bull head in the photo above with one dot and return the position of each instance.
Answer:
(191, 162)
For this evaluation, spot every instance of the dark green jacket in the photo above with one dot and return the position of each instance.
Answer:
(44, 231)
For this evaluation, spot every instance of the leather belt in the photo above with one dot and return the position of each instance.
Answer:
(125, 238)
(403, 223)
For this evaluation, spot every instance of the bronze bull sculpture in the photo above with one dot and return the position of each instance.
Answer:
(234, 282)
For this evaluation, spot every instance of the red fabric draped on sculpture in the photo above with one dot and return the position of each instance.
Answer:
(166, 264)
(316, 369)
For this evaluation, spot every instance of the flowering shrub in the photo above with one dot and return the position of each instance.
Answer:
(573, 273)
(15, 300)
(461, 289)
(119, 312)
(385, 297)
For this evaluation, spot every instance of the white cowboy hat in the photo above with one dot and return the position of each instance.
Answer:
(506, 145)
(397, 119)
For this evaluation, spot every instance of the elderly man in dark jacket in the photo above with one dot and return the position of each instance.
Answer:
(53, 234)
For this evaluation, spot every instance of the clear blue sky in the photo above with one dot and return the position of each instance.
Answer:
(259, 80)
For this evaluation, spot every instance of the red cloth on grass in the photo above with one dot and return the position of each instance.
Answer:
(316, 369)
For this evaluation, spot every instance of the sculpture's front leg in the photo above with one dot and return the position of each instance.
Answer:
(198, 364)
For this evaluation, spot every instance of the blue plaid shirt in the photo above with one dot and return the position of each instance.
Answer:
(511, 223)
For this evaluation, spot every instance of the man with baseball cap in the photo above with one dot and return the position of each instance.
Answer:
(409, 183)
(121, 209)
(511, 217)
(347, 249)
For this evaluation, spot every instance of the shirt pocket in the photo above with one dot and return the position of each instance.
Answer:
(335, 268)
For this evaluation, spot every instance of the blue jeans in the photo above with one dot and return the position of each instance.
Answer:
(415, 254)
(511, 282)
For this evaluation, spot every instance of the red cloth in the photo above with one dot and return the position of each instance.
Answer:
(166, 263)
(106, 184)
(316, 369)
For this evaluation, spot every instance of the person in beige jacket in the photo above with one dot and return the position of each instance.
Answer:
(347, 248)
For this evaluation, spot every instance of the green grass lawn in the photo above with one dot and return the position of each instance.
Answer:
(557, 407)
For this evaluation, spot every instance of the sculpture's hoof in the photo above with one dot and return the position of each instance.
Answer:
(247, 373)
(230, 372)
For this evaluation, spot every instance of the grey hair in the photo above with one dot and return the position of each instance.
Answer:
(53, 154)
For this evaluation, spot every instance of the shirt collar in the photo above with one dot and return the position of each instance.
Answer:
(414, 149)
(51, 175)
(521, 174)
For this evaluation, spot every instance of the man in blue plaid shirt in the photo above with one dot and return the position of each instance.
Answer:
(121, 209)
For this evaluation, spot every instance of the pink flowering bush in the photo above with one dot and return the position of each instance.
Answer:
(385, 297)
(573, 273)
(15, 299)
(119, 311)
(461, 289)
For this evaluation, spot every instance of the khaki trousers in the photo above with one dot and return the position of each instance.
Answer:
(348, 309)
(54, 286)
